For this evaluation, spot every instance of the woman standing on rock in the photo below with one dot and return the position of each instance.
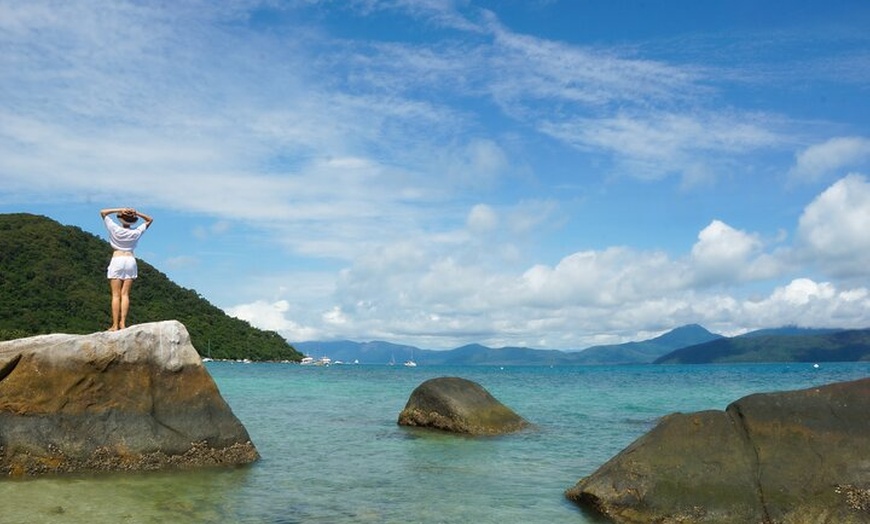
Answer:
(122, 269)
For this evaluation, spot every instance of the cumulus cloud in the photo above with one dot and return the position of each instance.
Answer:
(602, 278)
(805, 302)
(588, 298)
(268, 316)
(831, 157)
(726, 255)
(272, 316)
(720, 247)
(833, 228)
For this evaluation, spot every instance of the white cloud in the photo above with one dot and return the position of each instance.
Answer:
(598, 278)
(266, 315)
(724, 254)
(831, 157)
(273, 316)
(804, 302)
(482, 219)
(563, 307)
(651, 146)
(335, 316)
(442, 12)
(721, 245)
(530, 69)
(833, 232)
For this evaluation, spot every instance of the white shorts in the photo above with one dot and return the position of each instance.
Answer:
(123, 268)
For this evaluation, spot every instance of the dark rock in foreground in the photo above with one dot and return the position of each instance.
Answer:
(460, 406)
(136, 399)
(792, 457)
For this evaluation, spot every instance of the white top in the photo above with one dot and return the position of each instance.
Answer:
(122, 238)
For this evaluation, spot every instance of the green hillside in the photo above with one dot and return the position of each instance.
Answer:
(647, 350)
(52, 280)
(848, 345)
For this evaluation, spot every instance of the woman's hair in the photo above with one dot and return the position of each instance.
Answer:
(127, 217)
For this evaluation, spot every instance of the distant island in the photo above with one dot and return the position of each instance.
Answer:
(786, 345)
(691, 344)
(52, 280)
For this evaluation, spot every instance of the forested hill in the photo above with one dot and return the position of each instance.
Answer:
(846, 345)
(53, 280)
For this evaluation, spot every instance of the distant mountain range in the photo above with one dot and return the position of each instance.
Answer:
(688, 344)
(647, 350)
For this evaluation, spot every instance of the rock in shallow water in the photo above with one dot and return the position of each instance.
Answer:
(460, 406)
(791, 457)
(135, 399)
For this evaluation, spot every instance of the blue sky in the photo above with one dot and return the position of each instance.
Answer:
(553, 174)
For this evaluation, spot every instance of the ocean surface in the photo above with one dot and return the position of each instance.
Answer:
(332, 452)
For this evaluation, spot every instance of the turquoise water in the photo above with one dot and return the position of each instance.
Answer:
(332, 452)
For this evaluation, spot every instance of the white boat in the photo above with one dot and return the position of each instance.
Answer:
(311, 361)
(410, 363)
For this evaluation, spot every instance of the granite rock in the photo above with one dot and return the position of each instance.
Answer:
(788, 457)
(460, 406)
(135, 399)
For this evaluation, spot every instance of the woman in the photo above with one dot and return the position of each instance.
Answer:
(123, 269)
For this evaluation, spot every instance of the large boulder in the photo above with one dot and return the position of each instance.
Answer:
(791, 457)
(460, 406)
(133, 399)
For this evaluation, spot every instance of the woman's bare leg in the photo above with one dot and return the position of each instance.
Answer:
(115, 285)
(125, 301)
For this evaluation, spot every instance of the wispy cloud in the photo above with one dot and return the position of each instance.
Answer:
(653, 145)
(830, 157)
(534, 70)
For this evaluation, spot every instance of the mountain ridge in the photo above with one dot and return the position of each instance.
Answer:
(379, 352)
(817, 345)
(766, 344)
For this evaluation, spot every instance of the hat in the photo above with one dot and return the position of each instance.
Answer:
(127, 218)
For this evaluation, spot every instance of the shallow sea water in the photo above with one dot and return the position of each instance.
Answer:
(332, 452)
